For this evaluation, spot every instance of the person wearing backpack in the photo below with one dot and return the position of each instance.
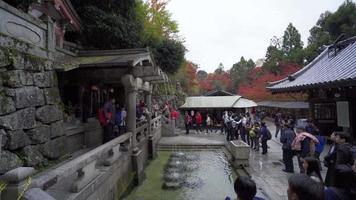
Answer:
(287, 137)
(343, 153)
(264, 137)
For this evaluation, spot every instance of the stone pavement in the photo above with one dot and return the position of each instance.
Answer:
(266, 170)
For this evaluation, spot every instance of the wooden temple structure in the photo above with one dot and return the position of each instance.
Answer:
(330, 82)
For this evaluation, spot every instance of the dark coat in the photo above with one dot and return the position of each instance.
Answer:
(330, 161)
(343, 154)
(287, 138)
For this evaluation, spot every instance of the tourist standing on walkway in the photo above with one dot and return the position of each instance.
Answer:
(277, 123)
(242, 127)
(199, 122)
(247, 129)
(254, 140)
(330, 162)
(209, 123)
(311, 168)
(343, 153)
(286, 139)
(187, 122)
(264, 137)
(109, 113)
(304, 145)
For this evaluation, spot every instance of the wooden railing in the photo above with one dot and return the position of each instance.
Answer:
(85, 167)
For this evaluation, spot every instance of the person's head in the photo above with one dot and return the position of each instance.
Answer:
(333, 136)
(302, 187)
(300, 129)
(245, 188)
(263, 124)
(112, 99)
(342, 137)
(344, 177)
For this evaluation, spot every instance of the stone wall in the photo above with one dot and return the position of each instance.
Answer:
(30, 113)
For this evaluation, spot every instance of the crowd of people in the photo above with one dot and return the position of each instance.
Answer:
(306, 143)
(234, 125)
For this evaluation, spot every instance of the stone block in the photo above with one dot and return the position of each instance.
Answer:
(45, 79)
(48, 114)
(57, 129)
(85, 176)
(18, 174)
(21, 119)
(51, 95)
(33, 156)
(9, 161)
(17, 139)
(7, 104)
(40, 134)
(9, 92)
(48, 65)
(17, 62)
(28, 97)
(17, 78)
(34, 65)
(37, 194)
(3, 61)
(3, 139)
(54, 149)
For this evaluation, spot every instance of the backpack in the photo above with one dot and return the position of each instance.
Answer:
(296, 144)
(101, 118)
(269, 135)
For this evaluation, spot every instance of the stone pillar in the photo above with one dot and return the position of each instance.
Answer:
(131, 92)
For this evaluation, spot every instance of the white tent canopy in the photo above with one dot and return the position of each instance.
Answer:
(218, 102)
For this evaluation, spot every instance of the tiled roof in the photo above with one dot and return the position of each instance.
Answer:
(284, 104)
(326, 70)
(218, 102)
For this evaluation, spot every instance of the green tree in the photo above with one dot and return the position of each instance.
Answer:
(240, 70)
(292, 46)
(329, 27)
(274, 55)
(220, 69)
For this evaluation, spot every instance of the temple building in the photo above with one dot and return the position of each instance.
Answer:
(330, 82)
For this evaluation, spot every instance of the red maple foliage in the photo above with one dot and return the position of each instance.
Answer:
(255, 88)
(216, 81)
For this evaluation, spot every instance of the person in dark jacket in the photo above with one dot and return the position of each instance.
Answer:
(109, 111)
(264, 137)
(330, 161)
(343, 154)
(344, 184)
(286, 139)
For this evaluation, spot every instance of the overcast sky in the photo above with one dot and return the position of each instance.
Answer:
(224, 30)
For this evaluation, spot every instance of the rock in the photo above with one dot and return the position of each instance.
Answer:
(18, 62)
(7, 104)
(28, 96)
(3, 138)
(40, 134)
(45, 79)
(37, 194)
(17, 78)
(17, 139)
(48, 65)
(21, 119)
(3, 61)
(34, 65)
(9, 92)
(54, 149)
(49, 113)
(18, 174)
(33, 156)
(9, 161)
(57, 129)
(51, 95)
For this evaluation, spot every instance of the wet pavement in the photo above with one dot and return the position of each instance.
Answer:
(266, 170)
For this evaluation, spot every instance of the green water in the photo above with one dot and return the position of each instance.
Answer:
(215, 174)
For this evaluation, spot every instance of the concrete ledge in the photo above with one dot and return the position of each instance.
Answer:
(240, 152)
